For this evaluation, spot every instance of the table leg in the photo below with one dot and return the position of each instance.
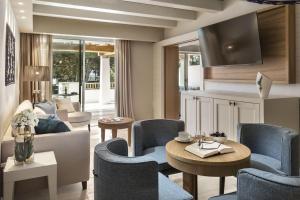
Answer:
(114, 133)
(52, 185)
(129, 136)
(8, 193)
(222, 185)
(190, 184)
(102, 134)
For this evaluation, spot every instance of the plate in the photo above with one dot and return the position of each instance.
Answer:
(184, 141)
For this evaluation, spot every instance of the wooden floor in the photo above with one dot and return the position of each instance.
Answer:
(207, 186)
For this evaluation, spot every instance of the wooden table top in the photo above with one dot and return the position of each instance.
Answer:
(124, 122)
(218, 165)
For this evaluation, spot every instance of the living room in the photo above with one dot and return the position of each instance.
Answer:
(132, 99)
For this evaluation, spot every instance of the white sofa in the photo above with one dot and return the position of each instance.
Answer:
(72, 152)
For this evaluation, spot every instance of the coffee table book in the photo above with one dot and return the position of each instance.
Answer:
(208, 150)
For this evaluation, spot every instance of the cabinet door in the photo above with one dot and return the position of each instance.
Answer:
(205, 108)
(245, 113)
(189, 113)
(223, 117)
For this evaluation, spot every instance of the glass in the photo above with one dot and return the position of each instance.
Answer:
(24, 151)
(66, 69)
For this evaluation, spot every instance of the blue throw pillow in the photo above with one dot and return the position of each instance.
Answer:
(47, 106)
(51, 125)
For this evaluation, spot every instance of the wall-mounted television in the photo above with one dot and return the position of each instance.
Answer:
(232, 42)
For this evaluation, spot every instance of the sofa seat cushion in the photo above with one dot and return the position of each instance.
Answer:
(230, 196)
(78, 117)
(158, 154)
(266, 163)
(168, 190)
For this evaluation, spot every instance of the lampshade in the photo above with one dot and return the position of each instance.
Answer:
(275, 2)
(37, 73)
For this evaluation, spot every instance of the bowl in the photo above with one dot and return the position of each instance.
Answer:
(219, 139)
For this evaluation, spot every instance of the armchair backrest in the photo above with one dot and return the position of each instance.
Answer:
(120, 177)
(274, 141)
(157, 132)
(255, 184)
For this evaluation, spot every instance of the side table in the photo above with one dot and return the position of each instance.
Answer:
(125, 122)
(44, 165)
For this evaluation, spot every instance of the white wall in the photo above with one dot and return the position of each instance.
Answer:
(9, 95)
(142, 73)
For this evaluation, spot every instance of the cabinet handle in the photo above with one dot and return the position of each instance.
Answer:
(230, 103)
(234, 103)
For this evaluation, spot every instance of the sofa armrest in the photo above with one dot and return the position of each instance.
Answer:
(62, 114)
(255, 184)
(71, 149)
(77, 106)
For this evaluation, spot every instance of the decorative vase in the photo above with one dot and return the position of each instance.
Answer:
(24, 146)
(263, 84)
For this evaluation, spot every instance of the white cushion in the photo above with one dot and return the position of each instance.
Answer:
(65, 104)
(78, 117)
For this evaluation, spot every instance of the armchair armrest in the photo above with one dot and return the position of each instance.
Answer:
(76, 106)
(137, 139)
(255, 184)
(62, 114)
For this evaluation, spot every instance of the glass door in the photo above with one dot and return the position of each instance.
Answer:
(66, 80)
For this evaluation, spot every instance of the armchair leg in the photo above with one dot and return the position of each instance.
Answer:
(89, 128)
(84, 185)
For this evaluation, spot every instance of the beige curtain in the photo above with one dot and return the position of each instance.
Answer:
(36, 50)
(123, 79)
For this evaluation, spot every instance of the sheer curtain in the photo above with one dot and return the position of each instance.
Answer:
(36, 50)
(123, 79)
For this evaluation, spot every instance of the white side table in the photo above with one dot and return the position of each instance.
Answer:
(44, 165)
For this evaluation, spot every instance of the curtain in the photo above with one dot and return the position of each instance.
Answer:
(123, 79)
(36, 50)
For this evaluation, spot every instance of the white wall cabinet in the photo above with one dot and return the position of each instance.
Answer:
(207, 112)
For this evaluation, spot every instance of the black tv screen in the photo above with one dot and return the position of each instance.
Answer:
(232, 42)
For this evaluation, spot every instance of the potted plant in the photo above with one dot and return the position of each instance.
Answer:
(23, 125)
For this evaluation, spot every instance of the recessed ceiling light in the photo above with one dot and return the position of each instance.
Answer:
(23, 17)
(20, 3)
(22, 11)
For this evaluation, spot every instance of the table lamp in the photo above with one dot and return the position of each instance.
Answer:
(36, 74)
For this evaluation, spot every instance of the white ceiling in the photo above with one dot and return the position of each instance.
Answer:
(151, 13)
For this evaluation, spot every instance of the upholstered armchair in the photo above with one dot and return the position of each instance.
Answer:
(118, 176)
(255, 184)
(74, 115)
(150, 138)
(274, 149)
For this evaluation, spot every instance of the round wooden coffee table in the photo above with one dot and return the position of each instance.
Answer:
(216, 166)
(125, 122)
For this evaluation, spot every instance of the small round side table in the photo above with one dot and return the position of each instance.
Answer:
(125, 122)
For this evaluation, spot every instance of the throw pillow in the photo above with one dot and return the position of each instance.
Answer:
(65, 104)
(47, 106)
(51, 125)
(39, 112)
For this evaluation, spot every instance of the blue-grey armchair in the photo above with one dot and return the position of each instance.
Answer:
(254, 184)
(274, 149)
(150, 138)
(118, 176)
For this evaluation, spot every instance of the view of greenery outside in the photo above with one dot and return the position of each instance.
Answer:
(92, 67)
(66, 66)
(112, 69)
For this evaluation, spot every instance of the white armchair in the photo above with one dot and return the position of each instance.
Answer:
(76, 118)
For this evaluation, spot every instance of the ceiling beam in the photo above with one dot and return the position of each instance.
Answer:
(196, 5)
(51, 11)
(124, 8)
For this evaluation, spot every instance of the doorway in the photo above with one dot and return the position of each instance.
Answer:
(84, 71)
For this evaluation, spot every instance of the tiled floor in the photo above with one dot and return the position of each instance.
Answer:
(207, 186)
